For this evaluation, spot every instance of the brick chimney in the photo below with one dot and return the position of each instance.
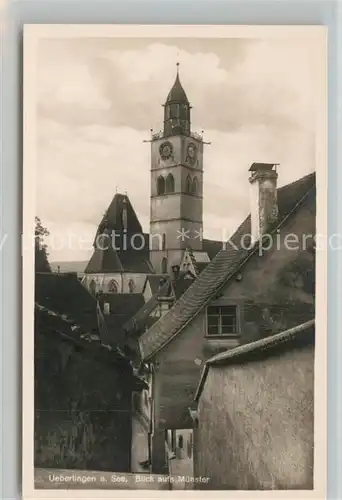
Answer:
(264, 204)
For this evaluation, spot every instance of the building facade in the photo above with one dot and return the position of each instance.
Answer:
(261, 293)
(272, 446)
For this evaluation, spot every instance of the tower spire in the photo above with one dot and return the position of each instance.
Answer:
(177, 110)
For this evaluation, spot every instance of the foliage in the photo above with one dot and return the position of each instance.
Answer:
(41, 254)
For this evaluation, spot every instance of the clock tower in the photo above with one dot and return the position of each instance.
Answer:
(176, 218)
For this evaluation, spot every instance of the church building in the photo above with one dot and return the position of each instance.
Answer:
(123, 254)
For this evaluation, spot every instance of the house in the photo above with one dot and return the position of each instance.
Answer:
(254, 427)
(260, 284)
(116, 310)
(83, 386)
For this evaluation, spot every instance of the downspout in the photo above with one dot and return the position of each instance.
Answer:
(151, 416)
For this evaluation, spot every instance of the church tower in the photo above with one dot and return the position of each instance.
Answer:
(176, 218)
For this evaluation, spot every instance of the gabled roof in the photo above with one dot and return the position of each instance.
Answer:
(122, 307)
(212, 247)
(104, 261)
(114, 219)
(155, 281)
(181, 284)
(65, 295)
(49, 322)
(113, 249)
(110, 260)
(219, 271)
(294, 338)
(140, 319)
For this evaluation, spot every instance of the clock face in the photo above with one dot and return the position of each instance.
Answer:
(192, 151)
(166, 150)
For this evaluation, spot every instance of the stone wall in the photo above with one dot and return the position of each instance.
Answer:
(82, 407)
(256, 424)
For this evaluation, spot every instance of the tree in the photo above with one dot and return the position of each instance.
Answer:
(41, 255)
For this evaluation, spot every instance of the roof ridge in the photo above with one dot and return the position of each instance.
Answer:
(231, 354)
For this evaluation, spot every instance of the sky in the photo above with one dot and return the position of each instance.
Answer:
(97, 100)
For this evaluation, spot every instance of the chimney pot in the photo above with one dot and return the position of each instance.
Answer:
(264, 204)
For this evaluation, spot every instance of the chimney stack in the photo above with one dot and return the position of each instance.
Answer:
(264, 203)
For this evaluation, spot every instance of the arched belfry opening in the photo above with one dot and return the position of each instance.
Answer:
(170, 184)
(160, 185)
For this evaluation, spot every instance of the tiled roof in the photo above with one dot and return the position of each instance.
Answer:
(120, 223)
(139, 320)
(211, 247)
(218, 272)
(64, 294)
(297, 337)
(113, 219)
(104, 261)
(200, 266)
(181, 284)
(122, 307)
(49, 321)
(119, 261)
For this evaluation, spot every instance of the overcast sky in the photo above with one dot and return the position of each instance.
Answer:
(98, 99)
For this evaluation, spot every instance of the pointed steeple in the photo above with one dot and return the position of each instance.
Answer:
(177, 110)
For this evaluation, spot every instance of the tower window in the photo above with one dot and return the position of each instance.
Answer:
(164, 242)
(194, 185)
(188, 184)
(113, 287)
(180, 442)
(164, 265)
(170, 184)
(131, 286)
(161, 185)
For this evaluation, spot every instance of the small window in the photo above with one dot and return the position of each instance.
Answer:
(113, 287)
(188, 184)
(170, 184)
(131, 286)
(180, 442)
(222, 320)
(106, 308)
(164, 242)
(161, 185)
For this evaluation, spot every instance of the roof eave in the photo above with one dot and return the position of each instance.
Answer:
(231, 275)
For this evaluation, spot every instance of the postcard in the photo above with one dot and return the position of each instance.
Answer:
(175, 261)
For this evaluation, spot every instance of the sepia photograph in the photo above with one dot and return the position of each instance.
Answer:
(174, 259)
